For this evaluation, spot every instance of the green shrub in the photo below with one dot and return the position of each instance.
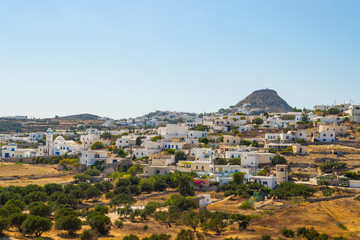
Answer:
(131, 237)
(287, 233)
(119, 223)
(247, 205)
(266, 237)
(327, 192)
(88, 235)
(145, 227)
(340, 225)
(97, 145)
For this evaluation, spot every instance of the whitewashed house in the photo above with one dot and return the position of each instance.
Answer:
(11, 151)
(326, 136)
(89, 157)
(88, 140)
(123, 142)
(268, 181)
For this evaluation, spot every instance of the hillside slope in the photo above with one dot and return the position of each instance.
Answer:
(82, 117)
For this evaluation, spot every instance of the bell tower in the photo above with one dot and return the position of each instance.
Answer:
(282, 173)
(49, 137)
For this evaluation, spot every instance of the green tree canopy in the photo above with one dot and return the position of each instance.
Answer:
(97, 145)
(36, 225)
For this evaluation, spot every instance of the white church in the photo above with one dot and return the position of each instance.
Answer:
(59, 146)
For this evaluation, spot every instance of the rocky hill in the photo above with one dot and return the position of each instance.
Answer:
(267, 100)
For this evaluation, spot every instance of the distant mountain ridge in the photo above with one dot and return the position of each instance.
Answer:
(82, 117)
(265, 100)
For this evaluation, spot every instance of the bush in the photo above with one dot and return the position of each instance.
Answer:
(247, 205)
(119, 223)
(311, 234)
(351, 174)
(185, 235)
(327, 192)
(342, 226)
(131, 237)
(245, 142)
(330, 166)
(340, 238)
(220, 161)
(278, 160)
(145, 227)
(161, 236)
(160, 185)
(333, 111)
(170, 151)
(135, 189)
(82, 177)
(266, 237)
(92, 172)
(88, 235)
(147, 186)
(235, 161)
(287, 233)
(204, 140)
(97, 145)
(180, 155)
(257, 121)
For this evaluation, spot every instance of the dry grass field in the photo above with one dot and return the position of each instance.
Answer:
(23, 171)
(13, 169)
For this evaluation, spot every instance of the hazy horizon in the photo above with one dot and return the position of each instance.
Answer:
(123, 59)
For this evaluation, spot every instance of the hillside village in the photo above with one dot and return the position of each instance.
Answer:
(240, 165)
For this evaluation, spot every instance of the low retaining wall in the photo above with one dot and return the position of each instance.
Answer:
(153, 195)
(314, 200)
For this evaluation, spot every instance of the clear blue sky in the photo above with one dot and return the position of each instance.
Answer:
(127, 58)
